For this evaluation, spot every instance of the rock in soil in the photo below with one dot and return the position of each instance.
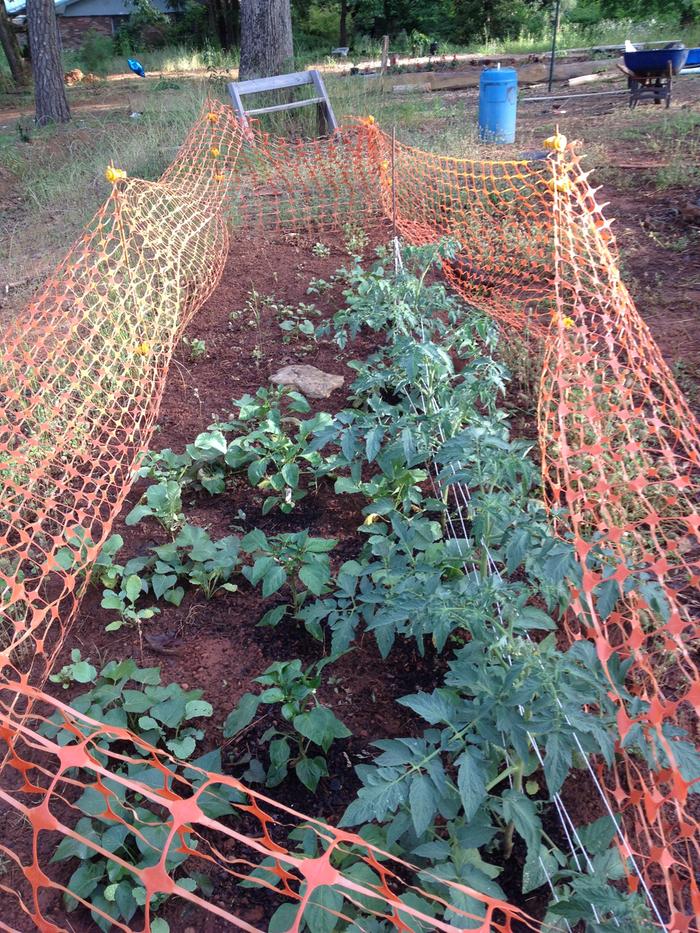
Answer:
(308, 380)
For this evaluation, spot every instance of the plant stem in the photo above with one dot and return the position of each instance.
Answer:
(508, 836)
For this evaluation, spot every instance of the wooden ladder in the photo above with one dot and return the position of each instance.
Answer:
(326, 118)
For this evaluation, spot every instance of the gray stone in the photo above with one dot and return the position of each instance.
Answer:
(308, 380)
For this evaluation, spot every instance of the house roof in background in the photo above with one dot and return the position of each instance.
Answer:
(15, 7)
(88, 7)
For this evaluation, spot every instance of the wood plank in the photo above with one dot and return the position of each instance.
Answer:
(325, 110)
(237, 102)
(531, 73)
(586, 79)
(291, 105)
(275, 83)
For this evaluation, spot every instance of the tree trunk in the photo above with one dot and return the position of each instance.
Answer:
(47, 67)
(10, 46)
(343, 32)
(266, 38)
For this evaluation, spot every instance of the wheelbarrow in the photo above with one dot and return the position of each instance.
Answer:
(650, 73)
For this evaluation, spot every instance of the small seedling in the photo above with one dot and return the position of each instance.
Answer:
(198, 348)
(356, 240)
(321, 250)
(295, 321)
(78, 671)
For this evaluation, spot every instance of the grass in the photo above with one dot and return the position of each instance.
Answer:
(59, 171)
(668, 141)
(606, 32)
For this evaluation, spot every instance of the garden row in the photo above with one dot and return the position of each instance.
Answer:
(454, 558)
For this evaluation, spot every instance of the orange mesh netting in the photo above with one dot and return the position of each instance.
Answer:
(82, 376)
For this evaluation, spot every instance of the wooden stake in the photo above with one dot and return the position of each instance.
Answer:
(385, 53)
(393, 180)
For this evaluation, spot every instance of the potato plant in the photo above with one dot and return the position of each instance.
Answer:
(136, 831)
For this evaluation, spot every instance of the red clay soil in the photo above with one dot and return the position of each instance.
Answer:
(218, 647)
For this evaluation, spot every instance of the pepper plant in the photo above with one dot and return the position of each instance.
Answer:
(304, 732)
(295, 560)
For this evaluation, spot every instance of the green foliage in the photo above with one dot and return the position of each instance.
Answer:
(146, 28)
(272, 458)
(379, 301)
(124, 602)
(296, 560)
(275, 460)
(132, 828)
(458, 555)
(197, 348)
(306, 727)
(96, 52)
(162, 501)
(78, 671)
(191, 558)
(296, 322)
(463, 796)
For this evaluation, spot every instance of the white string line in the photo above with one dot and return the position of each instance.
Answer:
(561, 809)
(464, 490)
(466, 497)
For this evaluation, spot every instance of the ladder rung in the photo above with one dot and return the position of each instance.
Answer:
(292, 105)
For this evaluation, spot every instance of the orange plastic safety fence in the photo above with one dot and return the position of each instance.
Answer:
(621, 455)
(82, 377)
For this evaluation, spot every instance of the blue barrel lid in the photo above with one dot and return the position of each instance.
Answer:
(499, 74)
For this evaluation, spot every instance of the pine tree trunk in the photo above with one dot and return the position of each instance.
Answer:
(47, 67)
(343, 32)
(266, 38)
(10, 46)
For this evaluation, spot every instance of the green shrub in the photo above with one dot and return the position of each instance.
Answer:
(97, 52)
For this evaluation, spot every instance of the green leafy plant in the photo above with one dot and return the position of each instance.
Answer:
(296, 561)
(162, 501)
(78, 671)
(197, 348)
(296, 322)
(321, 250)
(124, 602)
(191, 558)
(306, 727)
(196, 558)
(400, 301)
(355, 240)
(318, 286)
(459, 796)
(124, 696)
(276, 461)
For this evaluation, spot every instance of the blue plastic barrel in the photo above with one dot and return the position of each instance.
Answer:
(498, 101)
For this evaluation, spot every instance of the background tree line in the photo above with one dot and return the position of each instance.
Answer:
(270, 33)
(324, 23)
(345, 22)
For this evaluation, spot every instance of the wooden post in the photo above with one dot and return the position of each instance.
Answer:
(385, 53)
(555, 30)
(393, 181)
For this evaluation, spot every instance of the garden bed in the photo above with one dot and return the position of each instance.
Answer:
(214, 645)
